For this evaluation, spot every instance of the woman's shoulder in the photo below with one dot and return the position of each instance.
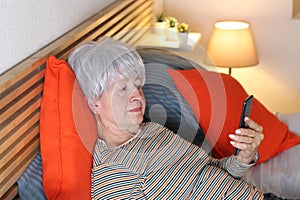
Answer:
(154, 128)
(161, 134)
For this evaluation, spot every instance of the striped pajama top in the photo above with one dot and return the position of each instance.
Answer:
(158, 164)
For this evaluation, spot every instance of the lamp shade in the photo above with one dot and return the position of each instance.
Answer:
(231, 45)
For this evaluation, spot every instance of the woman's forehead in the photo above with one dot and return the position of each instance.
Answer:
(126, 76)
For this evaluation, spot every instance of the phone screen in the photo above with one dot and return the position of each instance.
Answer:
(245, 112)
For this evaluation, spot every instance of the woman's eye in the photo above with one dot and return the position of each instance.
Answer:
(123, 88)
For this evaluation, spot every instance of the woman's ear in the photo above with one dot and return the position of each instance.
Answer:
(93, 105)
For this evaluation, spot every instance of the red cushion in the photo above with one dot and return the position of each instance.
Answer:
(66, 156)
(216, 100)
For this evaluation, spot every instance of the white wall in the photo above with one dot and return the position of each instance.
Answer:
(275, 81)
(28, 25)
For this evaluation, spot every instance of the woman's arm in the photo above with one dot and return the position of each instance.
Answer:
(232, 166)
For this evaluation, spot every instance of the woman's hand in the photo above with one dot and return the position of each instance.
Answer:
(247, 141)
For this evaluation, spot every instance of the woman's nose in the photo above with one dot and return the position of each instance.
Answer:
(137, 95)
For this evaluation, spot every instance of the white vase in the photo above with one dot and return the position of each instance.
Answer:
(159, 28)
(171, 34)
(183, 39)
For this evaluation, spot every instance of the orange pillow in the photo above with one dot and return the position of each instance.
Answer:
(66, 153)
(216, 100)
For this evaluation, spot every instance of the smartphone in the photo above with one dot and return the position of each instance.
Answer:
(245, 112)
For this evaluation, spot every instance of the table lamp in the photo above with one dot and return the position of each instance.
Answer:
(231, 45)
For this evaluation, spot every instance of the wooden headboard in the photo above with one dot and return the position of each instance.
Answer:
(21, 87)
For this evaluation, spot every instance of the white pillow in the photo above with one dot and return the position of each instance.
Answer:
(292, 120)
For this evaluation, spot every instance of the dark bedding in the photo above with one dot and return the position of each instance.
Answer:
(165, 104)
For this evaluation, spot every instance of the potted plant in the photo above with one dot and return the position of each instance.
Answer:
(160, 17)
(160, 23)
(171, 31)
(183, 30)
(183, 27)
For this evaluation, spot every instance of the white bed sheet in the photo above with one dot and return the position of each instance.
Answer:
(279, 175)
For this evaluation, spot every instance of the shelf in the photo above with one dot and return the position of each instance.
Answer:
(159, 41)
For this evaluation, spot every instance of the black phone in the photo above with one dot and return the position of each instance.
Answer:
(245, 112)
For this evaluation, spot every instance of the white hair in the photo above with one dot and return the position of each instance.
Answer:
(95, 64)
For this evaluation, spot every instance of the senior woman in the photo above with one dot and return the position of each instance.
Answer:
(136, 160)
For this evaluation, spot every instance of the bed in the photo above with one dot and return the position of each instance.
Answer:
(23, 111)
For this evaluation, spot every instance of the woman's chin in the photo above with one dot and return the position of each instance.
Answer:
(138, 121)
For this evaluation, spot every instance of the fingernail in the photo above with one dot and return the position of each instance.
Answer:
(231, 136)
(246, 118)
(237, 131)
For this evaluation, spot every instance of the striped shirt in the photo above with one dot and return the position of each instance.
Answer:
(158, 164)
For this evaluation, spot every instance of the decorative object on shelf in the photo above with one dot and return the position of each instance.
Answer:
(171, 28)
(151, 40)
(171, 22)
(231, 45)
(160, 24)
(183, 31)
(160, 17)
(183, 27)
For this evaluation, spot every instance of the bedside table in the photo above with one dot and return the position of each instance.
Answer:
(152, 40)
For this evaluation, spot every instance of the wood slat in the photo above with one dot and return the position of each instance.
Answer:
(14, 91)
(12, 193)
(19, 117)
(135, 30)
(114, 25)
(128, 14)
(18, 72)
(27, 96)
(20, 163)
(6, 170)
(137, 37)
(133, 35)
(11, 144)
(137, 13)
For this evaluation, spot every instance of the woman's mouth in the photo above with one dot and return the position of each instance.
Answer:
(139, 109)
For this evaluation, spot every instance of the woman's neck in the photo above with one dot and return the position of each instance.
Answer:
(113, 137)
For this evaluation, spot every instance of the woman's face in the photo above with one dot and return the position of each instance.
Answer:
(122, 106)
